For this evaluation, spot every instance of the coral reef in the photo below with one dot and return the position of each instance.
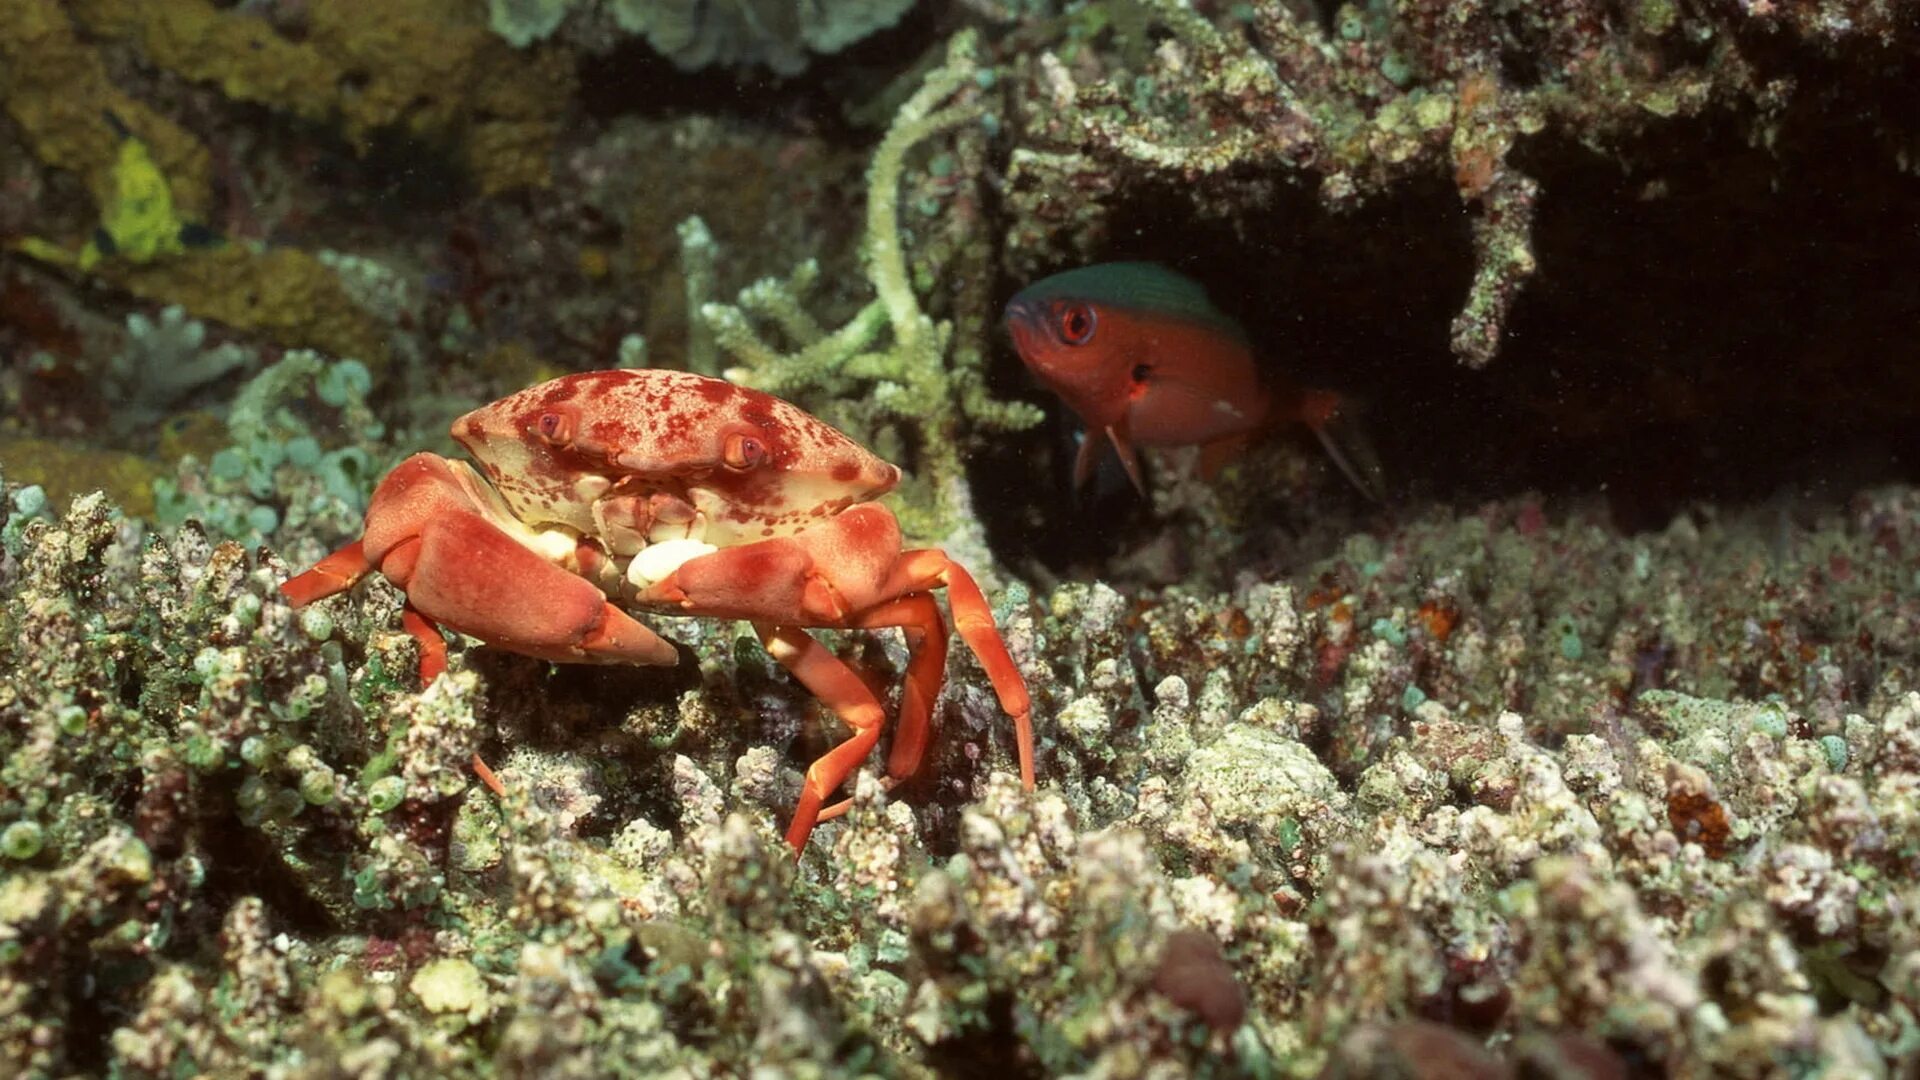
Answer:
(1435, 786)
(162, 365)
(415, 68)
(782, 36)
(426, 66)
(60, 93)
(286, 296)
(1489, 781)
(1373, 97)
(275, 470)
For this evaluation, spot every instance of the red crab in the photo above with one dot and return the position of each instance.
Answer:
(664, 491)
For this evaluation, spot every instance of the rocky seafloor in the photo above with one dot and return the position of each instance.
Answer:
(1491, 788)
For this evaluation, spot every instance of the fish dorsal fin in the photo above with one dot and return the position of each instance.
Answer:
(1140, 286)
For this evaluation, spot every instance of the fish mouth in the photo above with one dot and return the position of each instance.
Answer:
(1026, 325)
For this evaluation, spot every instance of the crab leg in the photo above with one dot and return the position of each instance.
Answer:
(828, 678)
(929, 568)
(433, 647)
(336, 573)
(436, 531)
(919, 617)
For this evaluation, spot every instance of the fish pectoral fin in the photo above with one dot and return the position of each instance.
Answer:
(1130, 461)
(1088, 457)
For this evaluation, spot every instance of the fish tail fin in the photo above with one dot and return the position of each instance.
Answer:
(1336, 421)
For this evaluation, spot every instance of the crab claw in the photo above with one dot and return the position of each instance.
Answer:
(439, 535)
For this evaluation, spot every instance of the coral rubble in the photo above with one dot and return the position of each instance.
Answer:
(1408, 793)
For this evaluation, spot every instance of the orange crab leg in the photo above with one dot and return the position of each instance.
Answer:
(928, 568)
(334, 574)
(828, 678)
(926, 632)
(433, 647)
(488, 777)
(433, 661)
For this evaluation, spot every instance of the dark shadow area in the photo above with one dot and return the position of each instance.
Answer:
(243, 861)
(995, 1053)
(1720, 325)
(400, 176)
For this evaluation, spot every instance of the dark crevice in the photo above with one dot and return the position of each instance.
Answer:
(1716, 323)
(243, 861)
(994, 1054)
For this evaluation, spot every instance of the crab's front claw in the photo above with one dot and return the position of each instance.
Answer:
(773, 580)
(464, 573)
(741, 583)
(816, 578)
(434, 530)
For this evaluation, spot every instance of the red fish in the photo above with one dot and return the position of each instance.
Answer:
(1145, 359)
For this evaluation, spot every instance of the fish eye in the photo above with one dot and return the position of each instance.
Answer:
(743, 452)
(555, 428)
(1076, 324)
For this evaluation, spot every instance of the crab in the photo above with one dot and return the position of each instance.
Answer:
(612, 492)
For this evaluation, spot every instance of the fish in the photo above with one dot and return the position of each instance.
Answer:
(1141, 354)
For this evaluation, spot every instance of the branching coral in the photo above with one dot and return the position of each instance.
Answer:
(892, 361)
(162, 365)
(275, 469)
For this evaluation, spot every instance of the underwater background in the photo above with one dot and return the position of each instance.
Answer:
(1589, 748)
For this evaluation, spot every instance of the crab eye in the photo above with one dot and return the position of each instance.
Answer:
(743, 452)
(555, 428)
(1076, 324)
